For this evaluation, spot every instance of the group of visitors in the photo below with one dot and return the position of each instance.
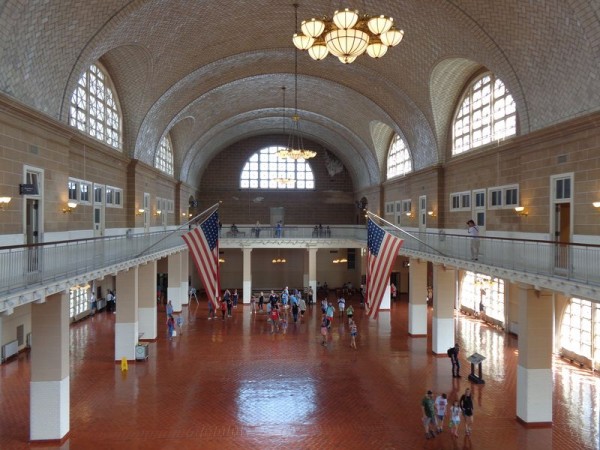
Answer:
(434, 413)
(320, 231)
(172, 322)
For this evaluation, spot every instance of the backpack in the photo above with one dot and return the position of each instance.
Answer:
(450, 352)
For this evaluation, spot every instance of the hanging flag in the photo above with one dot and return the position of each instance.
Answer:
(382, 251)
(203, 243)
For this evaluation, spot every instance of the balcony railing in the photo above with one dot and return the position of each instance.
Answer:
(26, 267)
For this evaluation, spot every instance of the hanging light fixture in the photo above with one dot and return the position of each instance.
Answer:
(347, 35)
(295, 149)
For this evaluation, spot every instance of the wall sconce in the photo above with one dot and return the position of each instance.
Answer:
(3, 202)
(140, 212)
(520, 210)
(70, 207)
(409, 214)
(158, 212)
(221, 260)
(594, 204)
(431, 213)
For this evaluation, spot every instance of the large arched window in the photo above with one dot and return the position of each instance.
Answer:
(477, 288)
(94, 108)
(579, 322)
(399, 161)
(487, 113)
(265, 170)
(164, 156)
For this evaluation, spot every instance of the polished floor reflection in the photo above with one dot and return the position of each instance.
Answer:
(232, 384)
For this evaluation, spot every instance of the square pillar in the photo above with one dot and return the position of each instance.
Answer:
(534, 370)
(312, 271)
(185, 273)
(174, 282)
(147, 310)
(49, 406)
(417, 298)
(247, 275)
(444, 297)
(126, 324)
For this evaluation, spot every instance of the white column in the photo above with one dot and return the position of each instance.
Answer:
(174, 282)
(417, 298)
(147, 313)
(312, 271)
(185, 272)
(126, 323)
(534, 370)
(247, 275)
(444, 295)
(49, 406)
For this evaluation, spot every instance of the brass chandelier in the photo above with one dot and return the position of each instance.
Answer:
(347, 35)
(295, 149)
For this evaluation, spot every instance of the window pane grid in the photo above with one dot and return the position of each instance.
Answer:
(93, 108)
(485, 114)
(164, 156)
(263, 167)
(399, 161)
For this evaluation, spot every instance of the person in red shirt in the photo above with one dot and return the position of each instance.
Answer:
(274, 319)
(223, 309)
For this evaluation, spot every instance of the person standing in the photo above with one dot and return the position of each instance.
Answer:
(109, 301)
(324, 324)
(473, 232)
(455, 418)
(341, 306)
(441, 402)
(179, 322)
(211, 309)
(295, 310)
(169, 308)
(274, 316)
(253, 305)
(330, 313)
(428, 415)
(170, 326)
(310, 295)
(353, 333)
(193, 294)
(350, 312)
(93, 304)
(234, 298)
(302, 306)
(229, 303)
(223, 309)
(261, 301)
(453, 354)
(466, 406)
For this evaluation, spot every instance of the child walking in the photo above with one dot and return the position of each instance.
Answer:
(324, 325)
(170, 326)
(455, 418)
(353, 333)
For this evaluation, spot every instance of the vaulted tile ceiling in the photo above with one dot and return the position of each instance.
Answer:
(210, 72)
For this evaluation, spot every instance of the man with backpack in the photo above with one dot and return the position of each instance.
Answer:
(453, 354)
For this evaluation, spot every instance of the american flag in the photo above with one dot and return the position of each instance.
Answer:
(383, 249)
(203, 242)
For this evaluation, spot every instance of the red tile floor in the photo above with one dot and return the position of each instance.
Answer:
(233, 385)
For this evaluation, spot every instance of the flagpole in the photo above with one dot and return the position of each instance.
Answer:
(412, 236)
(193, 219)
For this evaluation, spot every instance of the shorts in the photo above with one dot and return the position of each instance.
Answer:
(454, 423)
(467, 412)
(324, 331)
(353, 334)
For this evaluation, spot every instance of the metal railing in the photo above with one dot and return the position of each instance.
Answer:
(22, 267)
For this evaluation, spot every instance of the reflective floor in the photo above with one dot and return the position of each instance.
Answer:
(232, 384)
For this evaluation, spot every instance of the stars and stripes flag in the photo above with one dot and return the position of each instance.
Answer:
(203, 242)
(382, 251)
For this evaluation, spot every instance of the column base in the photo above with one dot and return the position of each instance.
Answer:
(534, 395)
(534, 424)
(49, 410)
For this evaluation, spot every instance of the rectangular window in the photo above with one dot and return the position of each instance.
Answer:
(398, 207)
(389, 208)
(460, 201)
(109, 196)
(406, 206)
(504, 197)
(563, 189)
(98, 194)
(84, 192)
(118, 197)
(72, 187)
(479, 198)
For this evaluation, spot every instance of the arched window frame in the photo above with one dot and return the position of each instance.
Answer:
(487, 113)
(94, 107)
(163, 160)
(264, 166)
(399, 160)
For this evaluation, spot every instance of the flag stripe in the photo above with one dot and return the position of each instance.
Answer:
(383, 249)
(206, 259)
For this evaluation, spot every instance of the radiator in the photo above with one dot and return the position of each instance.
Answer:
(10, 349)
